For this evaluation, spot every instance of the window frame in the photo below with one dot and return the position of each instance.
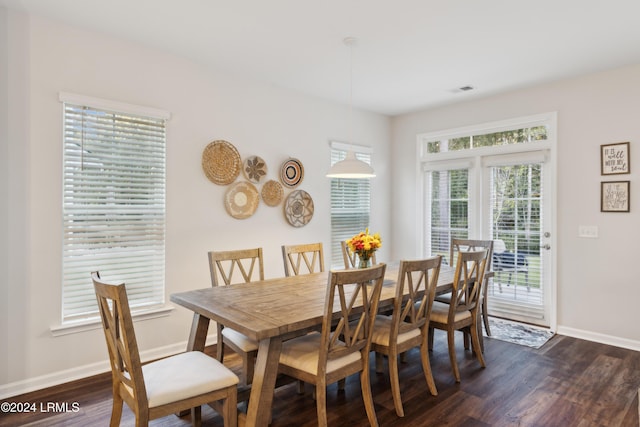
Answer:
(157, 306)
(472, 158)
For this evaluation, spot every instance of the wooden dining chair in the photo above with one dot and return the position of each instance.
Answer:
(342, 346)
(163, 387)
(408, 325)
(302, 259)
(236, 267)
(350, 258)
(461, 314)
(458, 245)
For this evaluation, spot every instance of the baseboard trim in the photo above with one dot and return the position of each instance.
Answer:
(600, 338)
(56, 378)
(32, 384)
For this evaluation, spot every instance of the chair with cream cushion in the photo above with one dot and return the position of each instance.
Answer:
(334, 353)
(237, 267)
(461, 314)
(408, 325)
(458, 245)
(350, 258)
(163, 387)
(302, 259)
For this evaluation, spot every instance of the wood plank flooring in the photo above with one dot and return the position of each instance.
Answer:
(567, 382)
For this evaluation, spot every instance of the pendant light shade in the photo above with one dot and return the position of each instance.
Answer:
(350, 167)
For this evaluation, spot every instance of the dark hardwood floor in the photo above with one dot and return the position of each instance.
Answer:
(567, 382)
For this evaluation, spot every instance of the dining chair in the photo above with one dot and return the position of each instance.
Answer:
(163, 387)
(342, 346)
(458, 245)
(461, 314)
(408, 325)
(225, 264)
(350, 258)
(302, 259)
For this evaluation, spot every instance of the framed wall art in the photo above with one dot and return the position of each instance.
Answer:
(614, 196)
(614, 158)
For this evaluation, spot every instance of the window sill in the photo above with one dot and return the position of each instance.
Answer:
(74, 327)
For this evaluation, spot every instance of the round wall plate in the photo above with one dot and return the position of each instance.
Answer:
(272, 193)
(241, 200)
(298, 208)
(221, 162)
(291, 173)
(254, 169)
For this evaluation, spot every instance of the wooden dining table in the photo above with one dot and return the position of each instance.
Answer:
(271, 311)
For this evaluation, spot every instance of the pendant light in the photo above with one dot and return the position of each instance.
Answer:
(350, 167)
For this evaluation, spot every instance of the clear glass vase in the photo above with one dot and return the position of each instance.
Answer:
(365, 262)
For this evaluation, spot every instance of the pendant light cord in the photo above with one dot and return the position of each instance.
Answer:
(350, 41)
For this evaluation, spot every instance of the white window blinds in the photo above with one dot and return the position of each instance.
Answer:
(350, 206)
(449, 200)
(113, 206)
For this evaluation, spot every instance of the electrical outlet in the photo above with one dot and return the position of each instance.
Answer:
(588, 231)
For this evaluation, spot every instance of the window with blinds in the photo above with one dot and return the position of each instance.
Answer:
(350, 206)
(449, 199)
(113, 206)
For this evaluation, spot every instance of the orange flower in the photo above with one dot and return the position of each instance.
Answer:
(364, 244)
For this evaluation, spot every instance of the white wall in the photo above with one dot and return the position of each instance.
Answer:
(4, 189)
(596, 278)
(205, 105)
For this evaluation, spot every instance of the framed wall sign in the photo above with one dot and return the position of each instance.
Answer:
(614, 158)
(614, 196)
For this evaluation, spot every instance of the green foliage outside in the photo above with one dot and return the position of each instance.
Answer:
(516, 136)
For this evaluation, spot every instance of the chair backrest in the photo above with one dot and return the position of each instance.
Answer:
(357, 292)
(468, 280)
(350, 258)
(245, 261)
(302, 259)
(415, 292)
(117, 323)
(458, 245)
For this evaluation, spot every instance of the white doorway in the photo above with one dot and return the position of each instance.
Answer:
(516, 211)
(496, 182)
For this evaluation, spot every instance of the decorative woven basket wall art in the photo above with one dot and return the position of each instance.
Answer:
(272, 193)
(298, 208)
(241, 200)
(291, 173)
(221, 162)
(254, 169)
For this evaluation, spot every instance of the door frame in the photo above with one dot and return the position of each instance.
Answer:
(473, 159)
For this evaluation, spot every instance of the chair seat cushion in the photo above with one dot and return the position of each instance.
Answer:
(183, 376)
(302, 353)
(446, 298)
(382, 331)
(440, 313)
(245, 343)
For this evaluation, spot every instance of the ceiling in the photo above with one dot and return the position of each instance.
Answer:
(410, 54)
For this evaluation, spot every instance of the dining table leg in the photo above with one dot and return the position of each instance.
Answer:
(264, 382)
(198, 334)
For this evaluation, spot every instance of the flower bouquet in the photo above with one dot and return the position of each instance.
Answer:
(364, 245)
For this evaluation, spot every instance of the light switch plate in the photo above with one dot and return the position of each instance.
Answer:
(588, 231)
